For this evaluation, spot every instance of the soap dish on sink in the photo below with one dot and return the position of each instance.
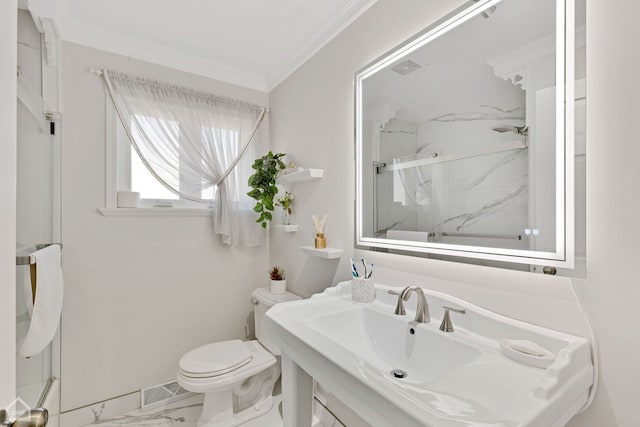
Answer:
(527, 352)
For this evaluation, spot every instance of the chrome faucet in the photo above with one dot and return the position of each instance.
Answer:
(422, 311)
(447, 325)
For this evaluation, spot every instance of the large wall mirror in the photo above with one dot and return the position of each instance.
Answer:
(465, 141)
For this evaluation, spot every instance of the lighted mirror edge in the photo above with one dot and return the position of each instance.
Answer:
(551, 261)
(565, 245)
(456, 18)
(562, 40)
(569, 132)
(462, 248)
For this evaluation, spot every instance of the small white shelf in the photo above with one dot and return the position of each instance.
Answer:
(300, 176)
(291, 228)
(327, 253)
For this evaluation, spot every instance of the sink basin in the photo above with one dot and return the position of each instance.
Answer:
(385, 343)
(394, 372)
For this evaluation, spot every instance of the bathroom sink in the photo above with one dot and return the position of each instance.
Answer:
(385, 342)
(394, 372)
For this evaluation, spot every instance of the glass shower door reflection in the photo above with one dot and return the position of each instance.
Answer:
(38, 219)
(407, 205)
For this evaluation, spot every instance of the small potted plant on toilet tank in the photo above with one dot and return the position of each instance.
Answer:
(278, 282)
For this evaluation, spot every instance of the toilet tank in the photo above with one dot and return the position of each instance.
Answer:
(263, 300)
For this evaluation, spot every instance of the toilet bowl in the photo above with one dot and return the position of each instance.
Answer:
(236, 377)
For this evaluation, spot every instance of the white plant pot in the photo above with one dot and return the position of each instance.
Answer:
(278, 287)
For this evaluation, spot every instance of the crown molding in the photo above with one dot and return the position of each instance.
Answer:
(338, 18)
(44, 14)
(158, 54)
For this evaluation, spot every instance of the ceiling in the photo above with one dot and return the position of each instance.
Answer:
(253, 43)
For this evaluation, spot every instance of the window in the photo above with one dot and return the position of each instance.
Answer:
(129, 173)
(187, 141)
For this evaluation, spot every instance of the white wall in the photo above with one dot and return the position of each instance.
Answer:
(613, 206)
(312, 119)
(139, 291)
(8, 53)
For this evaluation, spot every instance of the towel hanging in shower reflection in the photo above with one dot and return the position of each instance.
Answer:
(47, 300)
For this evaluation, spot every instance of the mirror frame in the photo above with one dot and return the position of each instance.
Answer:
(565, 41)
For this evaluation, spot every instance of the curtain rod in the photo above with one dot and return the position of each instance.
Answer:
(100, 72)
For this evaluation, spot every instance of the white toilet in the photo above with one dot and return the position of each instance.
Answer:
(236, 377)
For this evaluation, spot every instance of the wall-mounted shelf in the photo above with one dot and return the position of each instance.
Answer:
(300, 176)
(291, 228)
(327, 253)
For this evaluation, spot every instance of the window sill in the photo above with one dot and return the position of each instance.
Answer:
(151, 212)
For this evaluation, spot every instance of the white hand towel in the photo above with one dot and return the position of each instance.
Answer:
(48, 304)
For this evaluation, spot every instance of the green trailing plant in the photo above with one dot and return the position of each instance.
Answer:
(277, 273)
(263, 185)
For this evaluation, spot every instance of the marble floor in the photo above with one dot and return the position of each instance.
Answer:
(184, 413)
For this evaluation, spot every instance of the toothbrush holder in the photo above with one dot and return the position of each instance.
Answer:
(362, 290)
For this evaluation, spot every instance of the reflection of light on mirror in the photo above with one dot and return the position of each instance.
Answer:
(531, 232)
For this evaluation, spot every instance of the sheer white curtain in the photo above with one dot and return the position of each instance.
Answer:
(198, 145)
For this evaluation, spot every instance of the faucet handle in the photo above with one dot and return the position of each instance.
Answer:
(399, 305)
(447, 325)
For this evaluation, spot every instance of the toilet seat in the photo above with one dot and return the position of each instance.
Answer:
(237, 378)
(215, 359)
(259, 360)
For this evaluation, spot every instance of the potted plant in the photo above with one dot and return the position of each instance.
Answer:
(285, 201)
(278, 281)
(263, 184)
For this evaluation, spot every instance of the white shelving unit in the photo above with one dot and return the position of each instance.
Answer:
(327, 253)
(292, 178)
(287, 228)
(300, 176)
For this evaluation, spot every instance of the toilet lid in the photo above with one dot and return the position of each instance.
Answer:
(215, 359)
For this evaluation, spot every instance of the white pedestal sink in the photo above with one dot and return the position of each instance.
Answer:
(452, 379)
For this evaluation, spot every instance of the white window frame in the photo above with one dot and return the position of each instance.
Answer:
(115, 158)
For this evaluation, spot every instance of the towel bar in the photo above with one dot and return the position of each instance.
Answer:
(28, 259)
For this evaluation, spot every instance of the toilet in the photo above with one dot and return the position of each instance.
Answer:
(236, 377)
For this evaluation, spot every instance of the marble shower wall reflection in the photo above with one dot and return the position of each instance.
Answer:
(454, 174)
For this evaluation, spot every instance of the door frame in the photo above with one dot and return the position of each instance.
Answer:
(8, 124)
